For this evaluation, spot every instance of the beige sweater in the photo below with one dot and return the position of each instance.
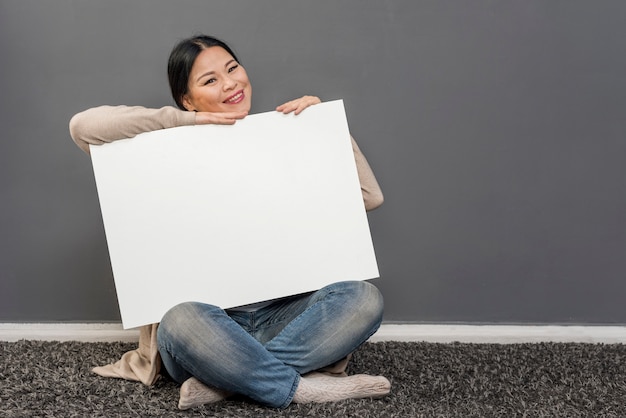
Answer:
(105, 124)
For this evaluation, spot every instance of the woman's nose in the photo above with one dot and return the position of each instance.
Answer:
(229, 83)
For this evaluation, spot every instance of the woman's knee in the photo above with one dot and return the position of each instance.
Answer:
(179, 320)
(366, 292)
(365, 297)
(373, 302)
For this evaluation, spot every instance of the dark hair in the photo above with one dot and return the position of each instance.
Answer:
(181, 60)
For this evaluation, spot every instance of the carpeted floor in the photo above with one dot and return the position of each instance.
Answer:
(431, 380)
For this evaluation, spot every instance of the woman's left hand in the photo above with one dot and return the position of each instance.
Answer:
(298, 105)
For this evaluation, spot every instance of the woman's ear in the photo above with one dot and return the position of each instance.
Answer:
(187, 103)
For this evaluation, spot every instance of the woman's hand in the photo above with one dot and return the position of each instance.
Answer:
(219, 118)
(298, 105)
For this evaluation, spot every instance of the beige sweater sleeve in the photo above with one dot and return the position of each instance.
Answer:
(372, 194)
(142, 364)
(103, 124)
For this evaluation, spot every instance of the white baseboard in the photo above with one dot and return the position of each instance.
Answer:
(88, 332)
(501, 334)
(444, 333)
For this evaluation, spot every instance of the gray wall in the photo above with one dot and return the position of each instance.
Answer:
(497, 130)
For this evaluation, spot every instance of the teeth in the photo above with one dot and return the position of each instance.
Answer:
(235, 97)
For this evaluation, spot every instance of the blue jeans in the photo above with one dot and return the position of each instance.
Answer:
(262, 354)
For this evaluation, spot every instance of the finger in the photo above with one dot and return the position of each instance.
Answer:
(297, 105)
(233, 115)
(287, 107)
(214, 119)
(225, 118)
(299, 109)
(309, 101)
(291, 105)
(221, 120)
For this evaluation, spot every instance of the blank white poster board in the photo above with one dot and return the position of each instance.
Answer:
(232, 215)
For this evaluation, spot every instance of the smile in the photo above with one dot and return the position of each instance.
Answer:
(235, 98)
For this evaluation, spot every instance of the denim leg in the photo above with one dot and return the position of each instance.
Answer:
(325, 326)
(201, 340)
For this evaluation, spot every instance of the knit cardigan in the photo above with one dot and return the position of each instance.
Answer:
(104, 124)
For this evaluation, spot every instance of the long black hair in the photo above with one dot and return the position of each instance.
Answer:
(181, 60)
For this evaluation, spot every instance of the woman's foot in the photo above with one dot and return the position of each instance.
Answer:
(195, 393)
(337, 369)
(318, 388)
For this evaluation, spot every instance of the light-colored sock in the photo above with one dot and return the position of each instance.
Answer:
(318, 388)
(195, 393)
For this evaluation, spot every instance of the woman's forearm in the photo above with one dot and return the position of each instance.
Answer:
(104, 124)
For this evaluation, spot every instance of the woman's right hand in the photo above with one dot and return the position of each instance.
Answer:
(219, 118)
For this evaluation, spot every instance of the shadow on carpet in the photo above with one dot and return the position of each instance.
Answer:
(428, 380)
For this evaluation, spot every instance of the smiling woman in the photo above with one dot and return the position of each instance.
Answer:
(293, 349)
(217, 83)
(206, 76)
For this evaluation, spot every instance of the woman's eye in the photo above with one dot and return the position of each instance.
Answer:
(233, 68)
(209, 81)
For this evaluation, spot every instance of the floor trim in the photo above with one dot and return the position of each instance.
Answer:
(444, 333)
(501, 334)
(86, 332)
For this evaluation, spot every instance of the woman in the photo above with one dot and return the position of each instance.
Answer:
(293, 349)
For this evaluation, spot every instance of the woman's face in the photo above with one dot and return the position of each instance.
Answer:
(217, 83)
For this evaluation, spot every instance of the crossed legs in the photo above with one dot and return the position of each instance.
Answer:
(263, 354)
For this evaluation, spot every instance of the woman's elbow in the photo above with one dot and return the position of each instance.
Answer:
(77, 126)
(373, 200)
(79, 131)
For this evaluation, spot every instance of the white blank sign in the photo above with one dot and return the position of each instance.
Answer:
(232, 215)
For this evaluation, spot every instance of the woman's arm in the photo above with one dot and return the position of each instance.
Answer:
(104, 124)
(372, 194)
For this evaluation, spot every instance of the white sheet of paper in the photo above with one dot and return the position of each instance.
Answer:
(232, 215)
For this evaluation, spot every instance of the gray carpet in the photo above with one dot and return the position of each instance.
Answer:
(431, 380)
